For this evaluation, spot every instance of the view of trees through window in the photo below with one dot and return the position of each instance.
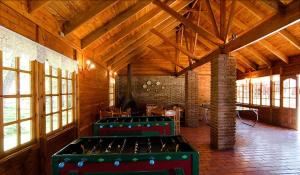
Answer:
(59, 98)
(111, 90)
(261, 91)
(276, 90)
(17, 103)
(289, 93)
(16, 97)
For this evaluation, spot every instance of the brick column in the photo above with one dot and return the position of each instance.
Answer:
(191, 99)
(223, 91)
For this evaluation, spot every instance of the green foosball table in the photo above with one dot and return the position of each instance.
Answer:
(134, 126)
(170, 155)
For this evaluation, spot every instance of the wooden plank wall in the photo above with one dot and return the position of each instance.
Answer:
(93, 96)
(93, 88)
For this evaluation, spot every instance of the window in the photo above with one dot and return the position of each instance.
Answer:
(67, 98)
(265, 91)
(16, 101)
(289, 93)
(256, 91)
(246, 98)
(111, 91)
(59, 98)
(242, 95)
(276, 90)
(239, 91)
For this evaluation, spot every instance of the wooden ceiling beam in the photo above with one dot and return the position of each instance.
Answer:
(167, 40)
(244, 60)
(273, 24)
(230, 19)
(222, 19)
(137, 53)
(274, 50)
(290, 38)
(133, 56)
(236, 22)
(34, 5)
(133, 42)
(258, 56)
(187, 23)
(212, 18)
(154, 15)
(81, 18)
(160, 54)
(240, 68)
(251, 7)
(158, 22)
(142, 42)
(116, 21)
(264, 29)
(205, 59)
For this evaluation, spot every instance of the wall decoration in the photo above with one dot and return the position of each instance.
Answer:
(153, 86)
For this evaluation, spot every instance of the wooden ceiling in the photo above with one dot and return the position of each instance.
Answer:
(185, 33)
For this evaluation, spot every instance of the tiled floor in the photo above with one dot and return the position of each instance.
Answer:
(262, 150)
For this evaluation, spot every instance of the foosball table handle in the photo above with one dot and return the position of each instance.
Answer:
(117, 163)
(62, 164)
(80, 164)
(152, 162)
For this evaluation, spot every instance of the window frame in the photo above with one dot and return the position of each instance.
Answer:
(59, 94)
(289, 97)
(273, 90)
(18, 97)
(111, 85)
(255, 82)
(265, 81)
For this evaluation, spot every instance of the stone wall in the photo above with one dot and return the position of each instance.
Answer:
(163, 90)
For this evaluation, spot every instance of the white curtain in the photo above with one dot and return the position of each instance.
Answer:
(26, 48)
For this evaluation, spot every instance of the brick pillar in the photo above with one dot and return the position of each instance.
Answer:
(223, 91)
(191, 99)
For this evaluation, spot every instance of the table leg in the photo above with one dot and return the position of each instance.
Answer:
(256, 113)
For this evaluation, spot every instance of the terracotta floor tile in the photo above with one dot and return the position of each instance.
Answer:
(259, 150)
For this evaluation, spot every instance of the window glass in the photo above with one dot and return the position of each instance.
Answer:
(64, 86)
(256, 91)
(25, 131)
(265, 92)
(111, 90)
(9, 110)
(54, 86)
(25, 84)
(17, 113)
(9, 82)
(24, 63)
(276, 90)
(59, 91)
(8, 60)
(64, 117)
(25, 107)
(70, 116)
(10, 136)
(55, 104)
(289, 93)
